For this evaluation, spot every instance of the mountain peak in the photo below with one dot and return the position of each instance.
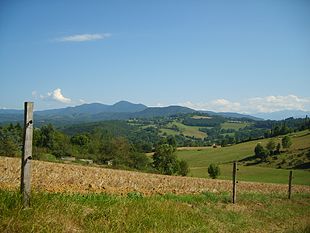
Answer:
(125, 106)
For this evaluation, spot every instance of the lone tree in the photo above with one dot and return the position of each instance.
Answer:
(184, 169)
(214, 171)
(261, 152)
(286, 142)
(166, 162)
(271, 146)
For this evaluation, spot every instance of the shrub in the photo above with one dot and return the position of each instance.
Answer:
(286, 142)
(184, 169)
(139, 161)
(271, 145)
(278, 149)
(214, 171)
(261, 152)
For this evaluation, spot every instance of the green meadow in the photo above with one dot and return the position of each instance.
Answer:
(234, 125)
(199, 160)
(206, 212)
(186, 130)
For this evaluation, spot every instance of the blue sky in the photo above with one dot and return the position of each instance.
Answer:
(242, 56)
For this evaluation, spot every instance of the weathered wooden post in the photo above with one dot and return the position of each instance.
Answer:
(290, 177)
(25, 187)
(234, 178)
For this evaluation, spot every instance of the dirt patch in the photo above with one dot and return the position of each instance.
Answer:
(57, 177)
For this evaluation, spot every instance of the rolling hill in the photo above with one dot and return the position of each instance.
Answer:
(251, 170)
(122, 110)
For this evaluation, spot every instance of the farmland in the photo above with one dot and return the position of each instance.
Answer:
(190, 131)
(75, 198)
(69, 197)
(200, 159)
(234, 125)
(59, 177)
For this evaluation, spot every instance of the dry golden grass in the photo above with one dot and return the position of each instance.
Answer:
(58, 177)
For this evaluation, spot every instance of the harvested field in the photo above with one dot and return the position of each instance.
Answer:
(57, 177)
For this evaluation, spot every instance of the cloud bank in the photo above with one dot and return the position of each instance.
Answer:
(265, 104)
(55, 95)
(83, 37)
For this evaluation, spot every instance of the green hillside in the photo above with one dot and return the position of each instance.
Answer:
(175, 128)
(206, 212)
(234, 125)
(199, 160)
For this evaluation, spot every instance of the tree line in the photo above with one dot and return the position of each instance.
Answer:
(99, 145)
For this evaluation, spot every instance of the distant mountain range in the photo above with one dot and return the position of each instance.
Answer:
(232, 115)
(124, 110)
(281, 115)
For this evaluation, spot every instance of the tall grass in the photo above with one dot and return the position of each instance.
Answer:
(207, 212)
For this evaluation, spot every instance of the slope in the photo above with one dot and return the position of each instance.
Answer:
(199, 160)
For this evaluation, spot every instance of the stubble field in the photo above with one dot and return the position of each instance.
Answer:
(70, 178)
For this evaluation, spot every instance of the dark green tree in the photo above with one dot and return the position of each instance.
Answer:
(271, 145)
(171, 141)
(184, 168)
(8, 147)
(46, 137)
(80, 139)
(214, 171)
(10, 140)
(164, 160)
(139, 161)
(261, 152)
(116, 150)
(286, 142)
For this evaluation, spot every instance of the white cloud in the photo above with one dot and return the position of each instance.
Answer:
(254, 105)
(84, 37)
(278, 103)
(219, 105)
(57, 96)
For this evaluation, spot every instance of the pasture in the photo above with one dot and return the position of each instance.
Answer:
(200, 159)
(205, 212)
(76, 198)
(234, 125)
(191, 131)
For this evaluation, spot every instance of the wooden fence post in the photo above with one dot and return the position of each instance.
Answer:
(25, 186)
(290, 177)
(234, 178)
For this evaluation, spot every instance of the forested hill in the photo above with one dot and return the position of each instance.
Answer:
(95, 112)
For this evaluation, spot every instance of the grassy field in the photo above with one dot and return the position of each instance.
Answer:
(191, 131)
(169, 132)
(206, 212)
(199, 161)
(256, 174)
(234, 125)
